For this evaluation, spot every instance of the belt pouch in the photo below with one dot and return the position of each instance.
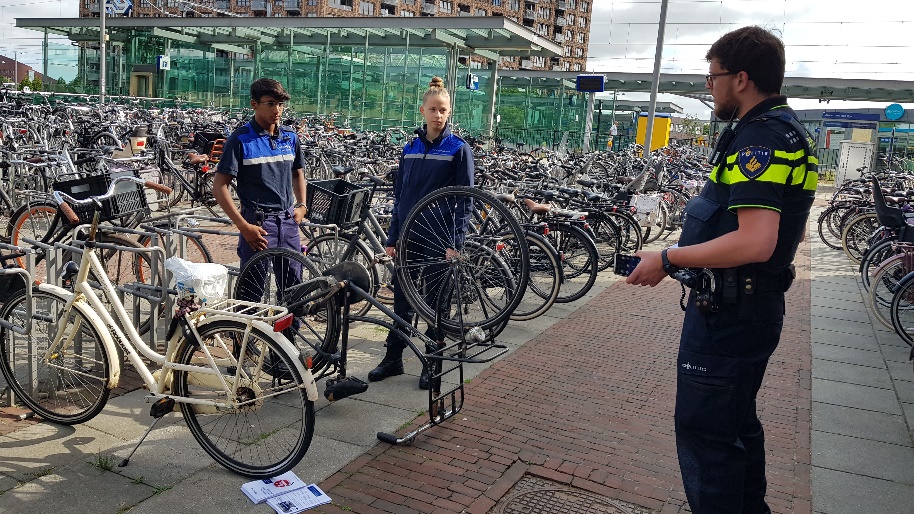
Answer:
(729, 291)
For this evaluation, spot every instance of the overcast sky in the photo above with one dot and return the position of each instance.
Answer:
(824, 38)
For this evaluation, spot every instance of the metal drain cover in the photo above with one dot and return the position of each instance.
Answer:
(533, 495)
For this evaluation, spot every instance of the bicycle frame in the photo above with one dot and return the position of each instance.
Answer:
(87, 302)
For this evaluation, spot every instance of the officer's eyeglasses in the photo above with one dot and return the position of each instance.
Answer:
(281, 105)
(711, 76)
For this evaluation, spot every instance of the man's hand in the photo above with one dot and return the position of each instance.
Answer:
(391, 251)
(451, 254)
(299, 213)
(649, 271)
(253, 234)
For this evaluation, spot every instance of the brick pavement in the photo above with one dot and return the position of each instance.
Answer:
(587, 403)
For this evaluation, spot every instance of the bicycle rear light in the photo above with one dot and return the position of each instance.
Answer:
(283, 323)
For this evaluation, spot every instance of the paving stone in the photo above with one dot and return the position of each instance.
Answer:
(839, 492)
(33, 450)
(819, 335)
(901, 371)
(847, 355)
(861, 397)
(825, 315)
(851, 373)
(845, 327)
(80, 488)
(859, 423)
(864, 457)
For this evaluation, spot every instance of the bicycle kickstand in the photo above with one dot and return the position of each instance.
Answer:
(158, 410)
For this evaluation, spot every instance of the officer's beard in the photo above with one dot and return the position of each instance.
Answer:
(726, 111)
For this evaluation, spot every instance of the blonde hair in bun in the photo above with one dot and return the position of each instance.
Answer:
(436, 88)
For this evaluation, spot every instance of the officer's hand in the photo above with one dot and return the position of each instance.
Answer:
(299, 213)
(254, 235)
(649, 271)
(451, 254)
(391, 251)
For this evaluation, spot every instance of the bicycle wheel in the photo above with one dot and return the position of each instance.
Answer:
(884, 285)
(269, 273)
(266, 425)
(828, 227)
(856, 234)
(545, 280)
(6, 216)
(70, 385)
(579, 259)
(874, 256)
(32, 221)
(490, 277)
(658, 226)
(328, 250)
(902, 309)
(209, 201)
(607, 239)
(629, 231)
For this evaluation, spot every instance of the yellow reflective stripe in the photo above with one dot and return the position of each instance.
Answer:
(777, 173)
(793, 156)
(812, 178)
(770, 208)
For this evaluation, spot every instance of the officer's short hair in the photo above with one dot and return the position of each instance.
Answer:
(268, 87)
(754, 50)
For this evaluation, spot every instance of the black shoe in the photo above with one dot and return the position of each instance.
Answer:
(423, 379)
(387, 368)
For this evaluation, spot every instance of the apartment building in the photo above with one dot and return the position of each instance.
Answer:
(566, 22)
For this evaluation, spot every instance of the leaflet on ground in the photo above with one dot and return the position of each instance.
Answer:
(298, 500)
(259, 490)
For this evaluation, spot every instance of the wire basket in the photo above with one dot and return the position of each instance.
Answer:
(336, 202)
(129, 197)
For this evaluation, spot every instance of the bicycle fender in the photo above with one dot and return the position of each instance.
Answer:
(298, 358)
(280, 340)
(107, 341)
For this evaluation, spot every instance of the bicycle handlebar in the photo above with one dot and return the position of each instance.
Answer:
(63, 200)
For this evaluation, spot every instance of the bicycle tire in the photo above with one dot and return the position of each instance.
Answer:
(75, 388)
(884, 285)
(629, 230)
(856, 234)
(34, 221)
(209, 200)
(607, 238)
(488, 296)
(653, 232)
(257, 282)
(579, 258)
(328, 250)
(545, 282)
(6, 216)
(168, 177)
(827, 226)
(268, 435)
(902, 309)
(872, 258)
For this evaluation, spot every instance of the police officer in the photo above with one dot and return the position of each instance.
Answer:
(745, 226)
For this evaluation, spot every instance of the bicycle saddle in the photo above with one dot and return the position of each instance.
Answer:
(506, 197)
(196, 158)
(593, 197)
(537, 208)
(341, 171)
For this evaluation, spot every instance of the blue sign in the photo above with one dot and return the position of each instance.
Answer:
(472, 82)
(888, 139)
(894, 112)
(849, 116)
(591, 83)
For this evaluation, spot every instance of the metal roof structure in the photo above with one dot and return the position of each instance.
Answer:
(694, 85)
(491, 37)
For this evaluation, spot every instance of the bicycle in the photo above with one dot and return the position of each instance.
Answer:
(220, 368)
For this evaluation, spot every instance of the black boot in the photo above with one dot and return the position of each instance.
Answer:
(423, 377)
(390, 366)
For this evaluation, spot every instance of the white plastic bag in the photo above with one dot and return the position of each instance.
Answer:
(205, 280)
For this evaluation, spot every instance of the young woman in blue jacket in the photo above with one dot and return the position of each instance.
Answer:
(433, 160)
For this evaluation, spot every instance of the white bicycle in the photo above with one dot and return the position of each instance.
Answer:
(244, 390)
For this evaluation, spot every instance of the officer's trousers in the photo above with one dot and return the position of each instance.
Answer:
(719, 438)
(429, 270)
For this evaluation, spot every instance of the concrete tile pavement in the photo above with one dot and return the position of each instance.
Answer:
(584, 399)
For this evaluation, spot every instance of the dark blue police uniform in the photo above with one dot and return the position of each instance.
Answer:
(262, 165)
(426, 166)
(723, 354)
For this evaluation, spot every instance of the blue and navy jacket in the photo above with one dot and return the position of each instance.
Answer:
(262, 164)
(427, 166)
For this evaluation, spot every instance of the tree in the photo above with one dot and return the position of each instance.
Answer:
(4, 80)
(37, 83)
(25, 83)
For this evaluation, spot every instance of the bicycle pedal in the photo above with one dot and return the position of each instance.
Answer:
(337, 389)
(161, 407)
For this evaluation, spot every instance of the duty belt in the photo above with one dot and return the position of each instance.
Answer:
(745, 281)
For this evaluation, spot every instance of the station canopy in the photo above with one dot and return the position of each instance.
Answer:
(491, 37)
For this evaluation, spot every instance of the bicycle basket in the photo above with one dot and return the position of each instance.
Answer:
(129, 197)
(336, 202)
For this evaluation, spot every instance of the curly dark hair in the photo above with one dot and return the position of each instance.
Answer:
(754, 50)
(268, 87)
